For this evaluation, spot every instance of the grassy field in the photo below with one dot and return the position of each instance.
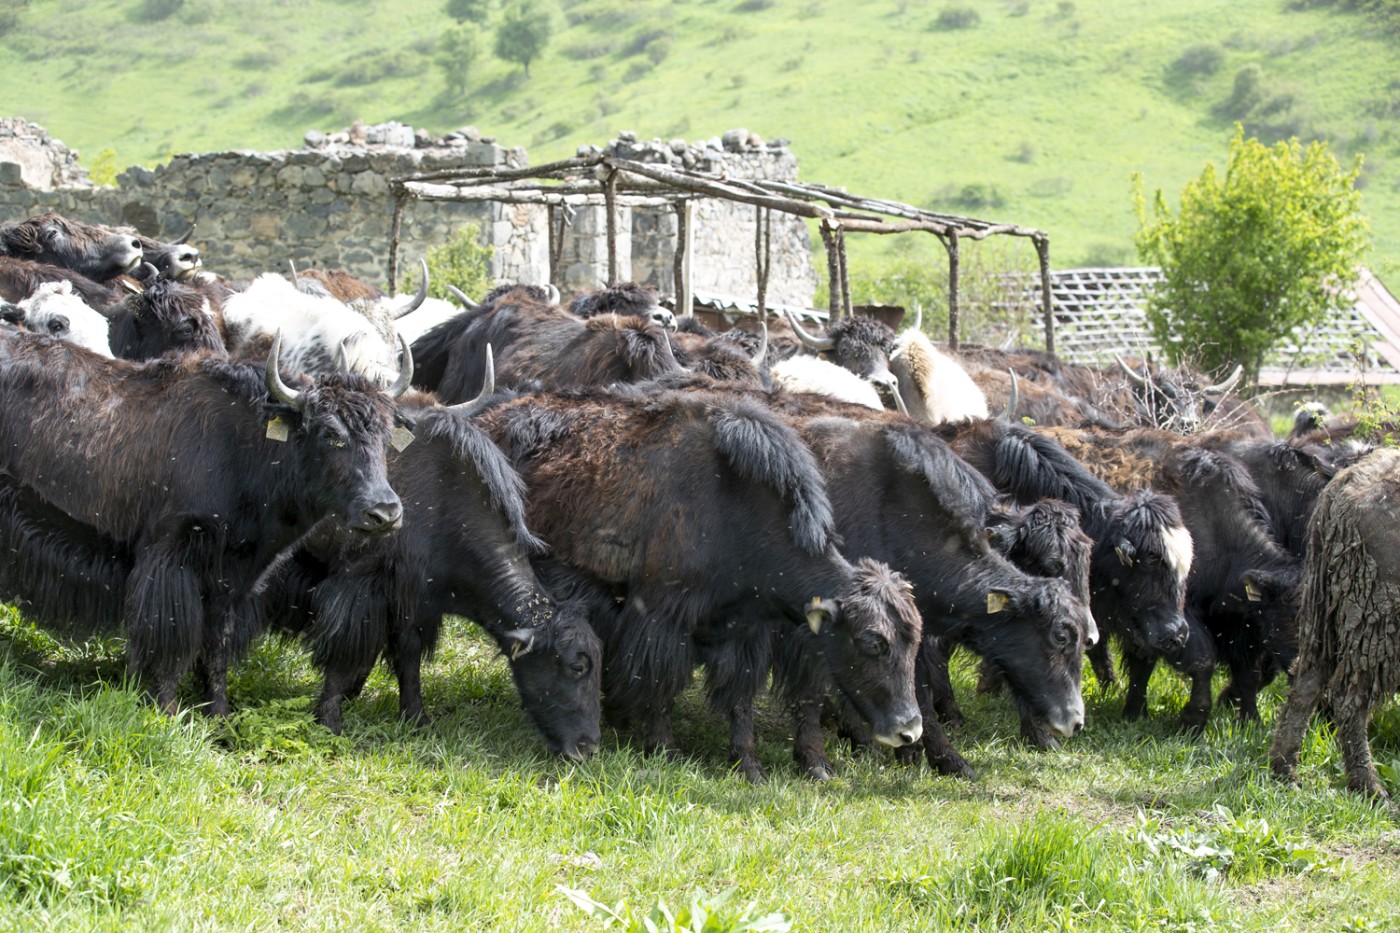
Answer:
(115, 817)
(1039, 112)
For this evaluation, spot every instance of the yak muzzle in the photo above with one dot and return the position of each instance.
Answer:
(907, 734)
(380, 518)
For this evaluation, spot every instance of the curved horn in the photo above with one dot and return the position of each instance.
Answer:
(186, 238)
(275, 386)
(552, 292)
(293, 266)
(1133, 374)
(488, 387)
(1014, 398)
(1221, 388)
(132, 287)
(461, 296)
(419, 298)
(918, 316)
(816, 343)
(762, 353)
(405, 379)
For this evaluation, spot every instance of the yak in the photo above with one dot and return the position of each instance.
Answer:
(96, 252)
(186, 480)
(707, 520)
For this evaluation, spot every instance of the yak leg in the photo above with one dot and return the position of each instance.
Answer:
(408, 669)
(930, 663)
(1101, 660)
(808, 748)
(1243, 689)
(940, 684)
(1293, 722)
(735, 670)
(337, 686)
(1353, 718)
(164, 612)
(1139, 672)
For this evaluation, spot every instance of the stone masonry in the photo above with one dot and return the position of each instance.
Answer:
(328, 205)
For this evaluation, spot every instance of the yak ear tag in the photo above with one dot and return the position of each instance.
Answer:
(996, 602)
(400, 438)
(1123, 558)
(815, 614)
(277, 430)
(1252, 591)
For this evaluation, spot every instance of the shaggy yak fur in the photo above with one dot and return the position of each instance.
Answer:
(1241, 589)
(534, 341)
(1348, 609)
(97, 252)
(1139, 599)
(627, 299)
(166, 317)
(465, 550)
(20, 278)
(178, 485)
(708, 522)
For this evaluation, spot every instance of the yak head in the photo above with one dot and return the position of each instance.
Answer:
(1140, 566)
(870, 636)
(99, 253)
(557, 665)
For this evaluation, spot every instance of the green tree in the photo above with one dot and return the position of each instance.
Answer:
(463, 261)
(1251, 256)
(457, 51)
(462, 11)
(524, 32)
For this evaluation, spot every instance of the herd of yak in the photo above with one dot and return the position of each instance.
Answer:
(618, 496)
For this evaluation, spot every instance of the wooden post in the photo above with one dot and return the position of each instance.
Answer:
(399, 199)
(762, 256)
(845, 272)
(1042, 249)
(556, 239)
(610, 201)
(685, 298)
(833, 273)
(952, 245)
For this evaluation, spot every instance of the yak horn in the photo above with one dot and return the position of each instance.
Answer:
(1133, 374)
(275, 386)
(461, 296)
(419, 298)
(405, 379)
(1221, 388)
(186, 238)
(552, 292)
(292, 266)
(762, 353)
(819, 344)
(1014, 398)
(918, 316)
(132, 287)
(488, 387)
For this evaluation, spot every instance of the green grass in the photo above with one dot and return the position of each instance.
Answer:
(1039, 114)
(115, 817)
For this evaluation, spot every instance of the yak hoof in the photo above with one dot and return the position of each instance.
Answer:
(818, 771)
(953, 765)
(752, 770)
(907, 755)
(1040, 739)
(418, 720)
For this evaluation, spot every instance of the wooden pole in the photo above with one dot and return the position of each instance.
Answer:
(762, 256)
(685, 304)
(952, 245)
(834, 302)
(610, 204)
(394, 229)
(1042, 249)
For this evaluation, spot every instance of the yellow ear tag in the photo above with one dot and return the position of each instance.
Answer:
(1253, 593)
(1124, 559)
(277, 430)
(400, 438)
(996, 602)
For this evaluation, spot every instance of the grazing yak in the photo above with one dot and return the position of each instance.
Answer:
(1348, 660)
(1239, 595)
(707, 520)
(187, 479)
(464, 549)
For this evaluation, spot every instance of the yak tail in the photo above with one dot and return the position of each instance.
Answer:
(1031, 467)
(960, 491)
(352, 622)
(164, 612)
(763, 449)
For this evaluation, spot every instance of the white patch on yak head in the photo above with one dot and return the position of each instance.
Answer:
(1179, 550)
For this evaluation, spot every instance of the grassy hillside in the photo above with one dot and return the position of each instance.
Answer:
(1038, 112)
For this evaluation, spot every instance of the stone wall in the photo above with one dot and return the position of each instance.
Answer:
(328, 205)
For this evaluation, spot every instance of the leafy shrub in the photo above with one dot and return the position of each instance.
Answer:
(104, 168)
(1245, 93)
(754, 6)
(9, 21)
(1203, 59)
(588, 49)
(957, 17)
(375, 66)
(153, 11)
(1245, 848)
(643, 40)
(463, 261)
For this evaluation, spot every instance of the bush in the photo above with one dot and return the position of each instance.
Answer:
(1200, 60)
(957, 17)
(153, 11)
(463, 261)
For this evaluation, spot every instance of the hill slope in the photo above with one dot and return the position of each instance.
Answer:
(1038, 112)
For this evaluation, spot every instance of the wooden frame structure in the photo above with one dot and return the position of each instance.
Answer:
(612, 182)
